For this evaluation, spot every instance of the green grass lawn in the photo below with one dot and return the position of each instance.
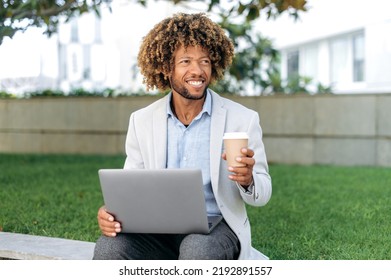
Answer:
(316, 212)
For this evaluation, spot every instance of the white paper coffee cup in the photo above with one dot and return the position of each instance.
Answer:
(233, 143)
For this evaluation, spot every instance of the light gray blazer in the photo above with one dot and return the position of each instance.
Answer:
(146, 147)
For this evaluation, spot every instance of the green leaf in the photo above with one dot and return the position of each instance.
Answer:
(253, 13)
(7, 31)
(241, 8)
(212, 4)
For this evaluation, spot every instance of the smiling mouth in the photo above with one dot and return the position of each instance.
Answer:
(195, 83)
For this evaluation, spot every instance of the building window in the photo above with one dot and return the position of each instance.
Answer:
(309, 62)
(98, 30)
(87, 62)
(347, 58)
(339, 54)
(74, 32)
(293, 64)
(75, 62)
(358, 58)
(62, 58)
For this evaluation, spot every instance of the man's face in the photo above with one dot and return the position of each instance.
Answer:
(192, 72)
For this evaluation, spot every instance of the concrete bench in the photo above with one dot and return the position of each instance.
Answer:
(18, 246)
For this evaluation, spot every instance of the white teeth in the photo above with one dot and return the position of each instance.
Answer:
(195, 83)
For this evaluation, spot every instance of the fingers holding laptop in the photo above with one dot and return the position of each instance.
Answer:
(107, 223)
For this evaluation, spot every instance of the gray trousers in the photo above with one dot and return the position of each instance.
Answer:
(220, 244)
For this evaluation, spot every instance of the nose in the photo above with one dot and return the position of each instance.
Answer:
(196, 68)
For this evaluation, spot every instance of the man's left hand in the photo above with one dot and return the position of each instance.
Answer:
(243, 174)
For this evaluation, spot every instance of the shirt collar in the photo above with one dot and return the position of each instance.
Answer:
(207, 107)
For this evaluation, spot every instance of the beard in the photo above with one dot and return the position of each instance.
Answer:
(184, 92)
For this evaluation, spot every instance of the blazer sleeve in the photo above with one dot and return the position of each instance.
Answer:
(262, 186)
(134, 159)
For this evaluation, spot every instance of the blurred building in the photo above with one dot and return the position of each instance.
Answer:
(101, 52)
(342, 44)
(88, 52)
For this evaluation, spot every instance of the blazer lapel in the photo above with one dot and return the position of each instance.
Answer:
(216, 138)
(159, 135)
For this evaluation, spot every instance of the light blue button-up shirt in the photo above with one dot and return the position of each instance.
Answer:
(188, 147)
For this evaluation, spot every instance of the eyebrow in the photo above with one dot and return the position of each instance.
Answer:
(190, 57)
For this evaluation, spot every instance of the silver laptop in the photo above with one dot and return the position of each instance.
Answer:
(157, 201)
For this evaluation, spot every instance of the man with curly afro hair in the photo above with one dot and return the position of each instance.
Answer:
(186, 53)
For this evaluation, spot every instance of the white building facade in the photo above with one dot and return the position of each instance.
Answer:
(101, 52)
(342, 44)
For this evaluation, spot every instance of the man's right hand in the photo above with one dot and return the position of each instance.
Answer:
(107, 224)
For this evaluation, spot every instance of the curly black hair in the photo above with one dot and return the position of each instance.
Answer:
(156, 58)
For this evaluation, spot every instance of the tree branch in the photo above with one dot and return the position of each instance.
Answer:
(53, 11)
